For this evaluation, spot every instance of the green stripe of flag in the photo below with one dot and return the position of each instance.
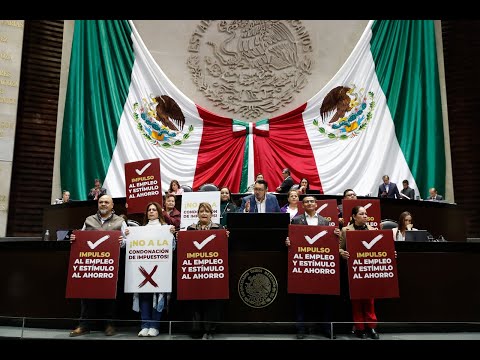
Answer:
(405, 57)
(99, 80)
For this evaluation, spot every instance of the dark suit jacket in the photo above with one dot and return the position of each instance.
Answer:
(302, 220)
(173, 218)
(271, 203)
(408, 192)
(392, 191)
(437, 198)
(91, 194)
(286, 185)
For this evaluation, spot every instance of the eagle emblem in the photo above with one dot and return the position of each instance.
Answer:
(345, 112)
(161, 121)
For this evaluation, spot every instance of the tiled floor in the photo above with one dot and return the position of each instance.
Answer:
(131, 334)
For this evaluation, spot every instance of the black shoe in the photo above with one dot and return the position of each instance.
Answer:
(360, 334)
(373, 334)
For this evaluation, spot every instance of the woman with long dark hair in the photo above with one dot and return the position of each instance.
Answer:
(151, 305)
(226, 205)
(363, 310)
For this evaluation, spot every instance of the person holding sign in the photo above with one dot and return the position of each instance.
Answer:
(322, 302)
(405, 223)
(205, 312)
(348, 194)
(104, 219)
(363, 310)
(151, 305)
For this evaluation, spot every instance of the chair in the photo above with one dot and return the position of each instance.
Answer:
(186, 188)
(388, 224)
(208, 187)
(132, 223)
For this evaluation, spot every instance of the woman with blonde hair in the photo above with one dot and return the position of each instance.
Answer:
(205, 313)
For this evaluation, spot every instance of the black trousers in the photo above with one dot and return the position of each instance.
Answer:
(97, 309)
(205, 314)
(314, 308)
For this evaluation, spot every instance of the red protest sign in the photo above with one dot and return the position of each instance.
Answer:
(93, 266)
(142, 184)
(372, 206)
(326, 208)
(313, 260)
(372, 267)
(202, 265)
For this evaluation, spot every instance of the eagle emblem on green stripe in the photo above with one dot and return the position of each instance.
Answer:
(258, 287)
(161, 121)
(345, 112)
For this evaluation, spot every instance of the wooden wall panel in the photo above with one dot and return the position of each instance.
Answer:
(36, 126)
(461, 46)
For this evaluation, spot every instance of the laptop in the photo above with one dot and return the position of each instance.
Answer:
(63, 234)
(416, 235)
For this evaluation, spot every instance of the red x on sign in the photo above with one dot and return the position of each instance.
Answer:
(148, 276)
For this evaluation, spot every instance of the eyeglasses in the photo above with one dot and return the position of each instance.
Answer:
(258, 189)
(309, 201)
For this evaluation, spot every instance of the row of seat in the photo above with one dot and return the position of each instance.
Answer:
(205, 187)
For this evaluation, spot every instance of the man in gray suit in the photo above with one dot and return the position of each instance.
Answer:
(407, 191)
(434, 195)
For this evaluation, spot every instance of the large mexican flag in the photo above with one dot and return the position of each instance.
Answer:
(380, 114)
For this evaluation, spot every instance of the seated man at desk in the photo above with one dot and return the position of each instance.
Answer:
(260, 201)
(434, 195)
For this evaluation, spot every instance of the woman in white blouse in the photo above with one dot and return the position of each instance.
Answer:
(292, 206)
(175, 188)
(405, 223)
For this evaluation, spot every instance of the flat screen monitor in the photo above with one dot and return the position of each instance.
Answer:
(416, 235)
(63, 235)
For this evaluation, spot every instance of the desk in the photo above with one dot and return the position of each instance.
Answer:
(439, 218)
(437, 284)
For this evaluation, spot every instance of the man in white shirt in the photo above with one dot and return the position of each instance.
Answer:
(322, 303)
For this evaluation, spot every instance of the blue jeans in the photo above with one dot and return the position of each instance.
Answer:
(150, 316)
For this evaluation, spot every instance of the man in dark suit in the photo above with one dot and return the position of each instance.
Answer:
(287, 182)
(312, 302)
(407, 191)
(260, 201)
(434, 195)
(388, 189)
